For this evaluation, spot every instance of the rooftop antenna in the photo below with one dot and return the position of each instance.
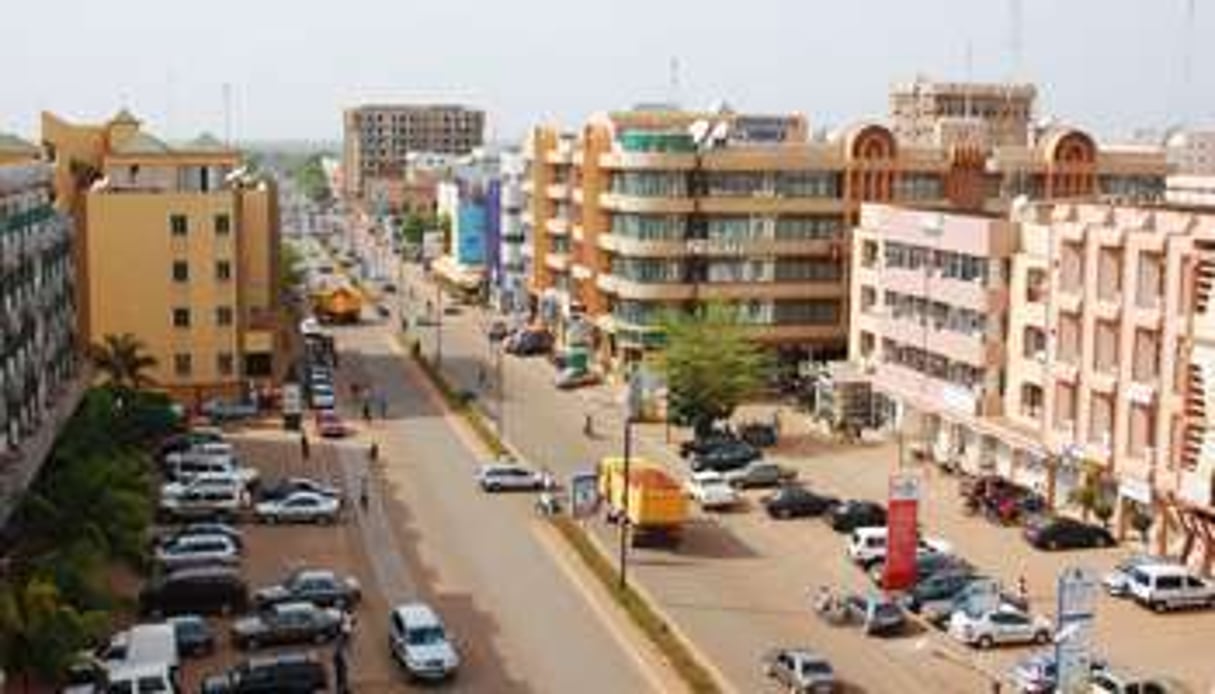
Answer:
(1015, 18)
(227, 89)
(1187, 56)
(673, 86)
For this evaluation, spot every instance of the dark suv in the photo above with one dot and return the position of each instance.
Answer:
(285, 673)
(201, 590)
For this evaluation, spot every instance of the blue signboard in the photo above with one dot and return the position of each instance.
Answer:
(1077, 602)
(470, 249)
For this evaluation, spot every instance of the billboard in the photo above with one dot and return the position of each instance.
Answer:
(1077, 603)
(471, 233)
(902, 532)
(584, 494)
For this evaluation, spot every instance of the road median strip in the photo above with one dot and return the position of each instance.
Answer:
(669, 643)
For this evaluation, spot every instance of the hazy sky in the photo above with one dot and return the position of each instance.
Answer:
(1113, 65)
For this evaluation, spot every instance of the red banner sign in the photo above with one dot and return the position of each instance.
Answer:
(902, 532)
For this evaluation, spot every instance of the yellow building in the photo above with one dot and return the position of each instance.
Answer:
(179, 246)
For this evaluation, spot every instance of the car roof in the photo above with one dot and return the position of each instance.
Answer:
(315, 573)
(417, 614)
(201, 572)
(1163, 568)
(804, 654)
(294, 606)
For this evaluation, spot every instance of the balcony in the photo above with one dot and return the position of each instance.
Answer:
(770, 204)
(635, 203)
(643, 291)
(557, 191)
(559, 262)
(642, 248)
(924, 391)
(771, 290)
(648, 161)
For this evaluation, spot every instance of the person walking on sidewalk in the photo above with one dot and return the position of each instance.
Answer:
(305, 448)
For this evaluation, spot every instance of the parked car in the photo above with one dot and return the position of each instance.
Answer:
(203, 528)
(571, 378)
(193, 550)
(420, 644)
(938, 613)
(299, 507)
(938, 590)
(792, 501)
(529, 342)
(331, 426)
(317, 586)
(877, 614)
(1001, 626)
(1163, 587)
(1108, 681)
(283, 488)
(852, 514)
(205, 448)
(285, 673)
(229, 477)
(506, 476)
(1058, 532)
(194, 636)
(224, 410)
(322, 397)
(867, 546)
(927, 563)
(1117, 581)
(727, 456)
(703, 444)
(184, 441)
(223, 502)
(711, 490)
(201, 590)
(760, 473)
(287, 623)
(800, 670)
(1038, 672)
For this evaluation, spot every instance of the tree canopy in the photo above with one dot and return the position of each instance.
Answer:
(123, 361)
(711, 365)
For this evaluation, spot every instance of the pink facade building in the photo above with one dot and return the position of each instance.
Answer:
(1068, 343)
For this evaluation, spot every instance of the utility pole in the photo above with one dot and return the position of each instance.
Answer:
(631, 409)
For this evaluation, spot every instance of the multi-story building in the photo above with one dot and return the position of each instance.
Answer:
(378, 139)
(38, 356)
(642, 211)
(1192, 152)
(1069, 341)
(178, 246)
(511, 283)
(939, 113)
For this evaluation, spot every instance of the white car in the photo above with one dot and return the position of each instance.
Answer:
(323, 397)
(172, 490)
(711, 490)
(1162, 587)
(299, 507)
(420, 643)
(497, 477)
(867, 546)
(191, 550)
(1003, 625)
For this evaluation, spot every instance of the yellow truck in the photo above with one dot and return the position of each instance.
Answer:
(340, 304)
(657, 507)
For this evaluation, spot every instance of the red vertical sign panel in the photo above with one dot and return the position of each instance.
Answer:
(902, 532)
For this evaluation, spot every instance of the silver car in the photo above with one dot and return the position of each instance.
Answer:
(497, 477)
(299, 507)
(192, 550)
(800, 670)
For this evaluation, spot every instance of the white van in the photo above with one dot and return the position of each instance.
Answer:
(141, 678)
(867, 546)
(188, 469)
(1164, 587)
(208, 449)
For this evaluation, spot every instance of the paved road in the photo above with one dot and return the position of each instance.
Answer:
(738, 585)
(481, 560)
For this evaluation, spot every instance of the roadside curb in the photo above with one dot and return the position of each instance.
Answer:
(474, 417)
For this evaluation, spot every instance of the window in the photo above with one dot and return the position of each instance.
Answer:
(181, 317)
(223, 224)
(1143, 429)
(223, 270)
(223, 315)
(182, 364)
(1101, 420)
(178, 224)
(224, 363)
(181, 271)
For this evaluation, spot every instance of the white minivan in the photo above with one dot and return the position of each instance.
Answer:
(867, 546)
(1164, 587)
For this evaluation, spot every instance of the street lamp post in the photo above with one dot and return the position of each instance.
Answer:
(624, 519)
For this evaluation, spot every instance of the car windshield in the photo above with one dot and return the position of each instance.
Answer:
(816, 667)
(425, 636)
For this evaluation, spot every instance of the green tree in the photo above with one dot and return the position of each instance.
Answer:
(40, 633)
(123, 361)
(310, 177)
(290, 267)
(415, 226)
(711, 366)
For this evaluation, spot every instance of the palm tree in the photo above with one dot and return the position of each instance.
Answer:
(123, 360)
(39, 632)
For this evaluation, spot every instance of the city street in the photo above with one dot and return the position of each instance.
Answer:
(739, 585)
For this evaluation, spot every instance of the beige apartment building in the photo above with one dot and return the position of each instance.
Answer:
(1074, 343)
(179, 246)
(377, 139)
(642, 211)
